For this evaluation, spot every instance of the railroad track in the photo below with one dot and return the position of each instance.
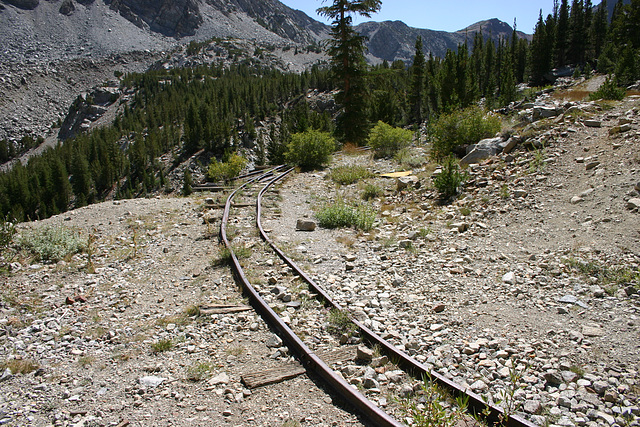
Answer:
(310, 359)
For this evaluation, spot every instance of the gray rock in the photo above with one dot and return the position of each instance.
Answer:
(633, 203)
(364, 353)
(274, 341)
(151, 381)
(592, 331)
(593, 123)
(483, 150)
(509, 278)
(553, 378)
(7, 374)
(305, 225)
(405, 182)
(545, 112)
(221, 378)
(592, 165)
(600, 386)
(405, 244)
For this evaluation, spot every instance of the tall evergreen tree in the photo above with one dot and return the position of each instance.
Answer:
(346, 49)
(416, 95)
(577, 33)
(562, 34)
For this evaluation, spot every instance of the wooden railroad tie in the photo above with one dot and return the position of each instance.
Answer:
(292, 370)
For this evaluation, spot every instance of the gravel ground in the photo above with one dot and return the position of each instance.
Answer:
(486, 283)
(91, 336)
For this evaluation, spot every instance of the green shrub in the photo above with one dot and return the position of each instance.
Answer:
(371, 191)
(386, 140)
(609, 91)
(162, 345)
(409, 158)
(52, 243)
(345, 175)
(459, 128)
(310, 149)
(227, 170)
(340, 214)
(448, 182)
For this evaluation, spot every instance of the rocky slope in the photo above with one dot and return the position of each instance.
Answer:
(509, 278)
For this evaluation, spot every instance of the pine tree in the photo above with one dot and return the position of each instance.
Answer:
(599, 29)
(540, 56)
(346, 49)
(577, 33)
(416, 95)
(562, 34)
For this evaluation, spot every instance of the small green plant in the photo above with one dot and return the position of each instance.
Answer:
(192, 311)
(162, 345)
(371, 191)
(434, 410)
(450, 179)
(198, 371)
(424, 232)
(610, 277)
(7, 231)
(236, 351)
(537, 164)
(227, 169)
(52, 243)
(85, 361)
(339, 214)
(346, 175)
(461, 128)
(609, 90)
(408, 158)
(504, 191)
(224, 254)
(339, 323)
(310, 150)
(579, 371)
(291, 423)
(386, 140)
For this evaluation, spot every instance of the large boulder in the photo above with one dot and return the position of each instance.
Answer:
(483, 150)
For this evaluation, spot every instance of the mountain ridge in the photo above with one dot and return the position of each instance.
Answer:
(65, 29)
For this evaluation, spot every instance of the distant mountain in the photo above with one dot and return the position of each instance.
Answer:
(391, 40)
(34, 30)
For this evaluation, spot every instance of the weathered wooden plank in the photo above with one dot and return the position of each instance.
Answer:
(287, 372)
(340, 354)
(223, 309)
(272, 376)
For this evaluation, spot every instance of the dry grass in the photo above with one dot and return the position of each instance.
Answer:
(573, 95)
(19, 366)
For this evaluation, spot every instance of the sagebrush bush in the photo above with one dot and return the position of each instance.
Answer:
(449, 181)
(462, 127)
(52, 243)
(310, 150)
(386, 140)
(345, 175)
(371, 191)
(226, 170)
(340, 214)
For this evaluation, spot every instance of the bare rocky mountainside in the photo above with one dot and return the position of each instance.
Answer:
(53, 51)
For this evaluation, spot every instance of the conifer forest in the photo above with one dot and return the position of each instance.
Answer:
(216, 110)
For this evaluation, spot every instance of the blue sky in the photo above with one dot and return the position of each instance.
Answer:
(448, 15)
